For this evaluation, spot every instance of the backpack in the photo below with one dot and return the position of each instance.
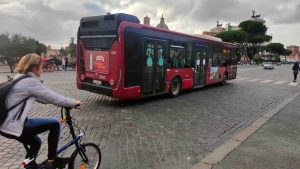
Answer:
(4, 91)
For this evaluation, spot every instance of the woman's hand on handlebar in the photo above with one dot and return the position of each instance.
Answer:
(77, 103)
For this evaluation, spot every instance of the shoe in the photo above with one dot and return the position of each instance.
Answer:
(61, 162)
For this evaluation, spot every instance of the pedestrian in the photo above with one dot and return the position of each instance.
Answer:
(67, 63)
(63, 63)
(295, 70)
(19, 126)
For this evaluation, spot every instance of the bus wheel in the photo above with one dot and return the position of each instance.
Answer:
(175, 87)
(224, 79)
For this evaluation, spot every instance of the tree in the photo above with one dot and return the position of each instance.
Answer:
(41, 48)
(15, 46)
(71, 49)
(4, 44)
(253, 28)
(255, 36)
(249, 37)
(287, 53)
(237, 36)
(276, 49)
(63, 52)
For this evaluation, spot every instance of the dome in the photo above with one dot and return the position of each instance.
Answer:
(162, 24)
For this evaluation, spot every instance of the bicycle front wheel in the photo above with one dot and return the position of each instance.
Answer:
(88, 157)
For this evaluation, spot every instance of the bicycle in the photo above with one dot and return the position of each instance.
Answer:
(83, 156)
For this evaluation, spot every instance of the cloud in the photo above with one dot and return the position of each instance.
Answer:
(288, 13)
(14, 9)
(93, 6)
(55, 21)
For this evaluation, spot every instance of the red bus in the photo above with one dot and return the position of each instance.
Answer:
(119, 57)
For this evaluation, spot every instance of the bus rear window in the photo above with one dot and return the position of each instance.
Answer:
(99, 44)
(90, 24)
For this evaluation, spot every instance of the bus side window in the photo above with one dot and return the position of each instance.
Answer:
(181, 59)
(175, 59)
(189, 58)
(170, 60)
(210, 62)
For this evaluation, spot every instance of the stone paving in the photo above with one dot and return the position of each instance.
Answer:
(158, 132)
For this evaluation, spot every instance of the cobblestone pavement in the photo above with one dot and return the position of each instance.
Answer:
(158, 132)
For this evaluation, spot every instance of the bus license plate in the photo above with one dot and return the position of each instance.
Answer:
(98, 82)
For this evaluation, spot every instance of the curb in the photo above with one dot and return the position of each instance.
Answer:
(222, 151)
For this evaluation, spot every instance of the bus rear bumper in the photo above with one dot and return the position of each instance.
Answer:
(96, 88)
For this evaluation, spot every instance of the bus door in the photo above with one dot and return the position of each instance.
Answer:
(153, 78)
(200, 64)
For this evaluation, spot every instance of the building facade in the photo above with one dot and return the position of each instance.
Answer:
(52, 52)
(295, 55)
(146, 20)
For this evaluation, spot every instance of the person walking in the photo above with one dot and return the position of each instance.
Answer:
(295, 70)
(19, 126)
(67, 63)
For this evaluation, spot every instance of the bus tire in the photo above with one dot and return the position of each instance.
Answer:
(225, 78)
(175, 87)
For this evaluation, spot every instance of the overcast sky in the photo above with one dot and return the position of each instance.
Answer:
(55, 21)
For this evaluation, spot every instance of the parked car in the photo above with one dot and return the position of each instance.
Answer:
(268, 65)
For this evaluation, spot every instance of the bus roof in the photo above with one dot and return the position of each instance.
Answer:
(198, 36)
(118, 17)
(90, 24)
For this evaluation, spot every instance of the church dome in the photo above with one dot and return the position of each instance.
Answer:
(162, 24)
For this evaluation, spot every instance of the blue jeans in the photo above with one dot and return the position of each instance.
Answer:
(36, 126)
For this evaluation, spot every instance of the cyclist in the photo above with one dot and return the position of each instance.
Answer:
(27, 91)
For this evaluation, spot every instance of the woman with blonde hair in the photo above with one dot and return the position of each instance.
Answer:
(21, 97)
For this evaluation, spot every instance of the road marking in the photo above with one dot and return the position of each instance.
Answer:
(253, 80)
(293, 83)
(279, 82)
(266, 81)
(240, 79)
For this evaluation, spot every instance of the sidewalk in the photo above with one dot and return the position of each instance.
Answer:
(275, 145)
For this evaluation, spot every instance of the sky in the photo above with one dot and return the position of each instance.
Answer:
(54, 22)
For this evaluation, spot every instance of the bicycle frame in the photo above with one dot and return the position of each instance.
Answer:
(68, 120)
